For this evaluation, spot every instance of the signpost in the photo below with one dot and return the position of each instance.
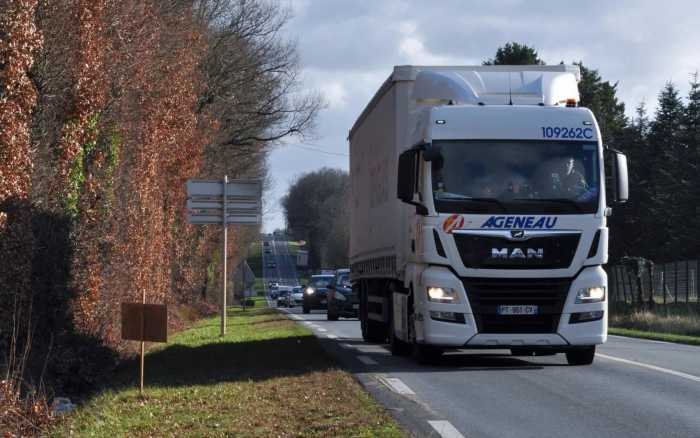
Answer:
(146, 323)
(224, 202)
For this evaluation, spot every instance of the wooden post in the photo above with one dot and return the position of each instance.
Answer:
(143, 344)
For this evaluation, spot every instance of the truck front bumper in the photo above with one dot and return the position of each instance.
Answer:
(471, 331)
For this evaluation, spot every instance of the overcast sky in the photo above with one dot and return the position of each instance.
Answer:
(348, 48)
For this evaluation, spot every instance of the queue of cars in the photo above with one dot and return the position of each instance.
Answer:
(331, 291)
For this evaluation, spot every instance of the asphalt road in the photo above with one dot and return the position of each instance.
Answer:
(285, 271)
(635, 388)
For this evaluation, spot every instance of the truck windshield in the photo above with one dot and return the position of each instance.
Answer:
(545, 177)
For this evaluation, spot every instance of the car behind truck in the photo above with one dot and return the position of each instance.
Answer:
(479, 212)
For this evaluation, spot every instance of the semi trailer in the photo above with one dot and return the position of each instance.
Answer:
(479, 199)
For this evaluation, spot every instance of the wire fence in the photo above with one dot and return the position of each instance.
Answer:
(647, 285)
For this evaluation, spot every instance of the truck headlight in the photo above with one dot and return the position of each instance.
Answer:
(310, 290)
(593, 294)
(443, 295)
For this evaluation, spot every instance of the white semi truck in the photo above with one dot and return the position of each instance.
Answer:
(478, 212)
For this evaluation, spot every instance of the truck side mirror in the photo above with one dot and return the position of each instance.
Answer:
(408, 172)
(407, 183)
(620, 178)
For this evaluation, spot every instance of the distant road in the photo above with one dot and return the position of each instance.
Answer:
(285, 271)
(635, 388)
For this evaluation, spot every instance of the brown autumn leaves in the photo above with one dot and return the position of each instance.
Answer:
(106, 108)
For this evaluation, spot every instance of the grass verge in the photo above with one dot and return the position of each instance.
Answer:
(267, 377)
(656, 336)
(662, 326)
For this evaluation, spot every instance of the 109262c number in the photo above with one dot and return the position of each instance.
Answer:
(564, 132)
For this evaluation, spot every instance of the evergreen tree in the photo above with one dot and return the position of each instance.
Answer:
(666, 149)
(601, 98)
(515, 54)
(631, 224)
(691, 169)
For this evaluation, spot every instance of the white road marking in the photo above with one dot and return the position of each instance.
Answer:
(367, 360)
(371, 349)
(347, 346)
(651, 367)
(396, 385)
(445, 429)
(330, 336)
(322, 330)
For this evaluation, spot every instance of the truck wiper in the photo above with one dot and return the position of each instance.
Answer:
(446, 196)
(567, 201)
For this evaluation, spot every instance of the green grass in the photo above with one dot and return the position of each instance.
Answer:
(660, 325)
(657, 336)
(267, 377)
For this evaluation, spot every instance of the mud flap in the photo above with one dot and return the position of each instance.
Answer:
(400, 316)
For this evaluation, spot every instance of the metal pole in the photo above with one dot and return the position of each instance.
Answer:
(225, 251)
(663, 282)
(675, 282)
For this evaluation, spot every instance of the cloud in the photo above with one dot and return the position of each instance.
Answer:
(348, 48)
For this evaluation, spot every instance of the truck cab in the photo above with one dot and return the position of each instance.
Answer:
(506, 235)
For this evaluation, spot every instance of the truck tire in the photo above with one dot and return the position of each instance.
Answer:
(305, 309)
(374, 331)
(581, 356)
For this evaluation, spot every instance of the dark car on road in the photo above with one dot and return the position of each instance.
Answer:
(341, 299)
(283, 298)
(315, 292)
(273, 288)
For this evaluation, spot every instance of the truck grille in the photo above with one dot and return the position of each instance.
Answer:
(477, 252)
(486, 294)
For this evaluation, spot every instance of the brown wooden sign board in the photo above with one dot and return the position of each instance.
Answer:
(145, 322)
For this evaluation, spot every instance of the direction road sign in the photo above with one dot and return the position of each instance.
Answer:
(241, 188)
(217, 219)
(234, 205)
(223, 202)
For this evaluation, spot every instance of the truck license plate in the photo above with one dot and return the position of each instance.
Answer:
(517, 310)
(355, 306)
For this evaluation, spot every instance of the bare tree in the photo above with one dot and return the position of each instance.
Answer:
(252, 94)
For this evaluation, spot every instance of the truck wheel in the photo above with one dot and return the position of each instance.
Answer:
(426, 354)
(305, 309)
(374, 331)
(581, 356)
